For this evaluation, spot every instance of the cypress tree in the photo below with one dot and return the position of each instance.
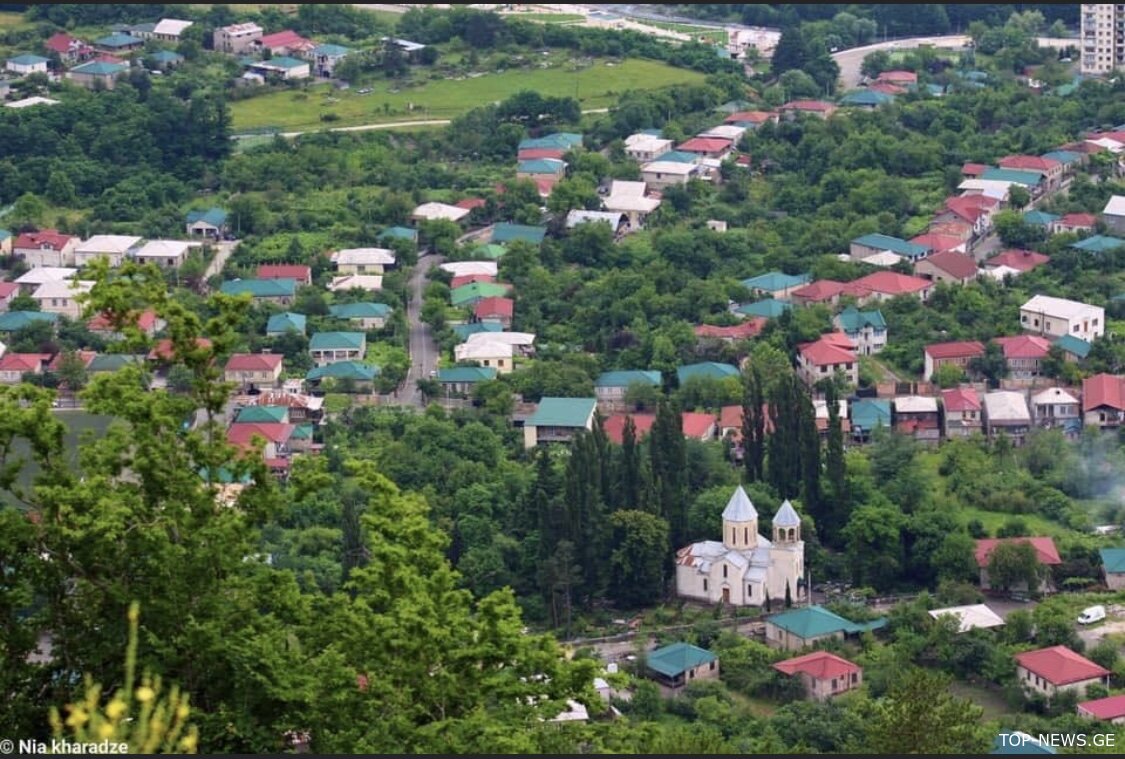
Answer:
(836, 511)
(788, 596)
(669, 463)
(753, 427)
(629, 467)
(808, 452)
(784, 444)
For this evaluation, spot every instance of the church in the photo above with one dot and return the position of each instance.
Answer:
(745, 567)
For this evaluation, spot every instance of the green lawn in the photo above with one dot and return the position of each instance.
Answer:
(9, 20)
(548, 18)
(597, 86)
(708, 34)
(992, 702)
(77, 422)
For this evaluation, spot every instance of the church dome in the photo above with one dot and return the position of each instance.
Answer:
(739, 508)
(786, 516)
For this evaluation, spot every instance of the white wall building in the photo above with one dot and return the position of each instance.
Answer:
(1055, 317)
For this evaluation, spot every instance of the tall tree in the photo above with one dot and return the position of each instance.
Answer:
(640, 552)
(668, 455)
(753, 426)
(809, 439)
(835, 469)
(791, 51)
(920, 714)
(629, 484)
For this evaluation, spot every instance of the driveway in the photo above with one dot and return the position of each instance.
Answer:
(850, 60)
(423, 352)
(223, 249)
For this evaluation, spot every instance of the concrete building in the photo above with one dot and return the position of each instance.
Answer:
(1102, 38)
(1006, 414)
(962, 412)
(1055, 317)
(115, 248)
(236, 39)
(679, 664)
(1057, 669)
(1114, 214)
(822, 674)
(558, 420)
(643, 147)
(1046, 554)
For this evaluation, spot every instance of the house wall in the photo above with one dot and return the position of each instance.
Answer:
(91, 81)
(360, 268)
(502, 364)
(868, 341)
(1037, 684)
(1087, 327)
(503, 321)
(1115, 224)
(68, 307)
(824, 689)
(787, 641)
(332, 355)
(925, 268)
(1115, 580)
(36, 257)
(812, 374)
(1017, 432)
(656, 180)
(235, 44)
(1023, 368)
(86, 258)
(933, 364)
(962, 423)
(1044, 584)
(1104, 418)
(254, 378)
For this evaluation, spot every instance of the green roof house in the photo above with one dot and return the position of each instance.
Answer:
(1074, 346)
(505, 232)
(166, 59)
(279, 324)
(801, 628)
(1040, 218)
(1113, 565)
(558, 420)
(264, 414)
(462, 379)
(679, 664)
(116, 43)
(563, 140)
(678, 156)
(866, 99)
(1098, 244)
(331, 347)
(97, 73)
(210, 223)
(369, 315)
(467, 295)
(867, 414)
(279, 291)
(705, 370)
(867, 329)
(611, 387)
(770, 308)
(874, 244)
(344, 370)
(16, 320)
(1064, 156)
(464, 331)
(1028, 178)
(111, 362)
(399, 233)
(775, 284)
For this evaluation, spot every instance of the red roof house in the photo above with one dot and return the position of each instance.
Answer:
(1111, 709)
(1103, 400)
(947, 266)
(823, 674)
(299, 272)
(494, 308)
(960, 399)
(898, 77)
(823, 358)
(961, 353)
(751, 117)
(940, 243)
(1045, 550)
(44, 239)
(1074, 222)
(971, 208)
(973, 169)
(471, 203)
(730, 421)
(276, 435)
(8, 290)
(614, 426)
(888, 88)
(1030, 163)
(68, 48)
(254, 362)
(1024, 354)
(820, 291)
(14, 365)
(711, 147)
(888, 284)
(1022, 260)
(743, 331)
(285, 42)
(1057, 667)
(468, 279)
(816, 107)
(699, 426)
(147, 321)
(84, 356)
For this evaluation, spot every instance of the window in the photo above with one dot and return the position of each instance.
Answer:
(712, 667)
(724, 571)
(746, 535)
(691, 674)
(855, 678)
(733, 535)
(704, 583)
(749, 591)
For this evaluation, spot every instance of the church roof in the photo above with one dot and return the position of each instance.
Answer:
(739, 508)
(786, 516)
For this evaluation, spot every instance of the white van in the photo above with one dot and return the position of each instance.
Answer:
(1091, 615)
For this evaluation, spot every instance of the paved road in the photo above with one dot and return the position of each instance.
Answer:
(223, 250)
(423, 353)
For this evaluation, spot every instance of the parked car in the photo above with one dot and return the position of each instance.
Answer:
(1091, 615)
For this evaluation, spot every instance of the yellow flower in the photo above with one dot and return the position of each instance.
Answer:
(145, 694)
(182, 711)
(77, 718)
(114, 709)
(105, 731)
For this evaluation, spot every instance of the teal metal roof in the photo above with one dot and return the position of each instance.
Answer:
(263, 414)
(678, 658)
(216, 217)
(4, 234)
(505, 232)
(467, 374)
(770, 308)
(1113, 559)
(28, 60)
(853, 320)
(562, 412)
(286, 62)
(1042, 218)
(562, 140)
(775, 281)
(490, 251)
(337, 341)
(261, 288)
(814, 621)
(360, 310)
(285, 322)
(893, 244)
(869, 413)
(118, 41)
(678, 156)
(1029, 178)
(935, 89)
(626, 378)
(399, 233)
(331, 51)
(734, 106)
(1074, 345)
(463, 331)
(166, 56)
(1012, 742)
(474, 291)
(353, 370)
(708, 369)
(1063, 156)
(302, 432)
(223, 476)
(99, 68)
(540, 166)
(111, 362)
(866, 98)
(1098, 244)
(14, 320)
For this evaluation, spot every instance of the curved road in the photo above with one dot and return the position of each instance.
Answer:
(423, 353)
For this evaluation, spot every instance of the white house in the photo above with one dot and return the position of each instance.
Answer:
(629, 198)
(113, 247)
(169, 254)
(170, 29)
(59, 297)
(744, 567)
(1055, 407)
(643, 147)
(468, 268)
(363, 260)
(369, 282)
(661, 174)
(1114, 214)
(435, 211)
(486, 353)
(1056, 317)
(29, 281)
(47, 247)
(27, 64)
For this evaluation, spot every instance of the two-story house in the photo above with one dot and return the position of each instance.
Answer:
(558, 420)
(867, 329)
(254, 370)
(830, 354)
(1056, 408)
(960, 354)
(611, 387)
(962, 409)
(363, 260)
(61, 297)
(1103, 401)
(330, 347)
(167, 254)
(1024, 355)
(47, 247)
(917, 417)
(1006, 415)
(114, 248)
(1055, 317)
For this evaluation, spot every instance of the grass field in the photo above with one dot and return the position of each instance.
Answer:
(993, 703)
(596, 86)
(707, 33)
(548, 18)
(9, 19)
(77, 422)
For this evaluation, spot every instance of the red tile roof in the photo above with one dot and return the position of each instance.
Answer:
(44, 238)
(819, 665)
(545, 185)
(1111, 707)
(60, 43)
(970, 207)
(85, 356)
(960, 399)
(705, 145)
(1023, 346)
(253, 362)
(754, 117)
(957, 265)
(887, 88)
(962, 349)
(938, 243)
(242, 433)
(1028, 163)
(614, 426)
(532, 154)
(1045, 550)
(107, 58)
(287, 38)
(892, 283)
(146, 322)
(973, 169)
(471, 203)
(1118, 136)
(898, 76)
(1024, 260)
(818, 106)
(299, 272)
(8, 289)
(957, 228)
(494, 307)
(163, 349)
(468, 279)
(697, 425)
(1103, 390)
(730, 418)
(1078, 220)
(289, 400)
(828, 351)
(820, 290)
(23, 362)
(1059, 665)
(747, 329)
